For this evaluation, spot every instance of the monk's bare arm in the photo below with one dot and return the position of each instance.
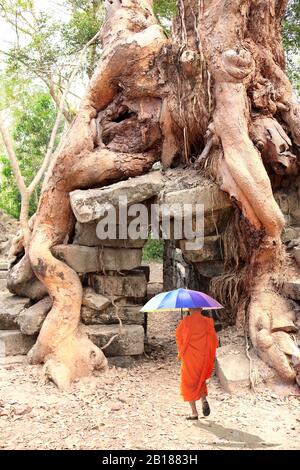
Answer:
(179, 338)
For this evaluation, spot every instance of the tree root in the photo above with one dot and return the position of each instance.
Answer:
(73, 359)
(265, 303)
(131, 39)
(71, 356)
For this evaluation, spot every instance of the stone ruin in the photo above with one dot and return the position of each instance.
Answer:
(114, 279)
(8, 229)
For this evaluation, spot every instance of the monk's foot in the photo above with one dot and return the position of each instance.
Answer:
(205, 408)
(192, 418)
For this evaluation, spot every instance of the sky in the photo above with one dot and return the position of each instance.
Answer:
(56, 9)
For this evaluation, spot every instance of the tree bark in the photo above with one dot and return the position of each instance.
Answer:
(91, 156)
(217, 89)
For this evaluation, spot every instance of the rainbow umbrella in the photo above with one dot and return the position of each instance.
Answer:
(180, 299)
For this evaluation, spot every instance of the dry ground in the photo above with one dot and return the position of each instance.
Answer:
(140, 408)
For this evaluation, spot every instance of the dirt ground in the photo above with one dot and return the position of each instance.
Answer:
(140, 408)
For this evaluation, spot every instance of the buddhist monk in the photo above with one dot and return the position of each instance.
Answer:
(197, 343)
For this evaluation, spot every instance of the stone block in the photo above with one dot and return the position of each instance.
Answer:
(129, 343)
(128, 314)
(31, 319)
(10, 308)
(143, 269)
(232, 369)
(124, 362)
(3, 265)
(153, 289)
(94, 301)
(13, 343)
(85, 234)
(84, 259)
(88, 204)
(291, 289)
(211, 250)
(209, 269)
(131, 285)
(209, 195)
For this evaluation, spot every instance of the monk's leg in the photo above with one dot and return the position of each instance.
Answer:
(194, 408)
(205, 405)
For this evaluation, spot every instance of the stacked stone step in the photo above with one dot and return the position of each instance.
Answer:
(107, 299)
(87, 207)
(289, 203)
(3, 274)
(200, 262)
(115, 290)
(12, 341)
(115, 282)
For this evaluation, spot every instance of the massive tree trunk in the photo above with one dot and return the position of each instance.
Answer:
(216, 89)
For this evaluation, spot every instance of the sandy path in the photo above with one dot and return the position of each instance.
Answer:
(139, 408)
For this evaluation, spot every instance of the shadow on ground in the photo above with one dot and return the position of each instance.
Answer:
(233, 436)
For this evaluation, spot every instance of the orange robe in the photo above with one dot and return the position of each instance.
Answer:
(197, 343)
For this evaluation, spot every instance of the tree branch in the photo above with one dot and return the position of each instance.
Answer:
(25, 191)
(8, 142)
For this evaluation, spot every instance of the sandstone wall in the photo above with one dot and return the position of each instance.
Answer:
(114, 278)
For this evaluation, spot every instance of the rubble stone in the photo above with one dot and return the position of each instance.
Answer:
(13, 343)
(129, 343)
(31, 319)
(233, 369)
(291, 289)
(128, 314)
(84, 259)
(10, 308)
(131, 285)
(88, 204)
(85, 234)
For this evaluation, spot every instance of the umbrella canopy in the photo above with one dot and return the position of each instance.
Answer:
(180, 299)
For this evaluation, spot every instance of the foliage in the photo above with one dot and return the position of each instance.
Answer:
(291, 42)
(165, 9)
(85, 19)
(38, 63)
(153, 250)
(46, 45)
(33, 121)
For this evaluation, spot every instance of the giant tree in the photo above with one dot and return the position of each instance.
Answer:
(217, 89)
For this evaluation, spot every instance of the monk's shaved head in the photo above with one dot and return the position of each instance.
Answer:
(196, 310)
